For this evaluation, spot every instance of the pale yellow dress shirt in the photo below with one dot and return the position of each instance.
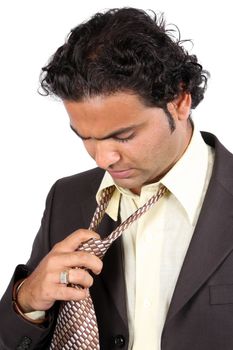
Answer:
(155, 245)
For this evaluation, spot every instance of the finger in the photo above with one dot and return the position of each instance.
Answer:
(81, 259)
(80, 277)
(85, 260)
(67, 293)
(73, 241)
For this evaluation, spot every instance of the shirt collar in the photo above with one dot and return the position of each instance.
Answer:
(185, 180)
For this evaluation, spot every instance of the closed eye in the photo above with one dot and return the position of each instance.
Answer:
(123, 139)
(117, 135)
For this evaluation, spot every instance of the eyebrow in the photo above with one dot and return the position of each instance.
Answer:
(108, 136)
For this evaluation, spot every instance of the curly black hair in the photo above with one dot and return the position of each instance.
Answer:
(124, 49)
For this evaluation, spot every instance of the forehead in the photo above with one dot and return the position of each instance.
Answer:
(112, 107)
(103, 114)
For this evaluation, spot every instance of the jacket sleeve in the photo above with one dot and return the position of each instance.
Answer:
(15, 332)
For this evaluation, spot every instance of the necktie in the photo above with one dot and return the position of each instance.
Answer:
(76, 326)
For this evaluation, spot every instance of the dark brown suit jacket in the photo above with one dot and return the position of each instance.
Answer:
(200, 316)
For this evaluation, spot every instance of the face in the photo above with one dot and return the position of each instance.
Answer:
(131, 141)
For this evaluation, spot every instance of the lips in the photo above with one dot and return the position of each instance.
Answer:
(120, 174)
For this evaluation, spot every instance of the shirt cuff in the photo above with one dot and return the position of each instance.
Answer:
(36, 315)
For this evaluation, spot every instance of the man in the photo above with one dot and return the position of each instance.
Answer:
(128, 87)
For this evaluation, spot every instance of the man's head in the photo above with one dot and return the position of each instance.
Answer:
(124, 50)
(133, 142)
(120, 61)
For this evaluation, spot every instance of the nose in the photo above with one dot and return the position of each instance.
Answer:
(105, 154)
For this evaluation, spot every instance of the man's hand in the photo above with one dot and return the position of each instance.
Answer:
(42, 288)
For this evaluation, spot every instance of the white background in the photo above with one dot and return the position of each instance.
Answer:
(36, 144)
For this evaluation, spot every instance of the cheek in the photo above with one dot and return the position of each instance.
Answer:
(153, 152)
(129, 151)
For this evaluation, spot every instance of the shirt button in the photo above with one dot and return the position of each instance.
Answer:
(119, 341)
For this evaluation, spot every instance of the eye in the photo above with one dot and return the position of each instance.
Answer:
(123, 139)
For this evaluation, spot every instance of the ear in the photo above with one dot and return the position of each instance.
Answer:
(180, 106)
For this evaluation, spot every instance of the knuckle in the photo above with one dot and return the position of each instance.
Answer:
(78, 237)
(57, 247)
(90, 281)
(99, 266)
(81, 277)
(83, 257)
(62, 293)
(75, 293)
(52, 261)
(80, 273)
(84, 235)
(81, 235)
(86, 278)
(46, 293)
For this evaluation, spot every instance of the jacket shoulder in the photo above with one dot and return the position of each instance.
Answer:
(83, 183)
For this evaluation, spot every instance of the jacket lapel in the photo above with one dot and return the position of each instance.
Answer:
(112, 275)
(212, 240)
